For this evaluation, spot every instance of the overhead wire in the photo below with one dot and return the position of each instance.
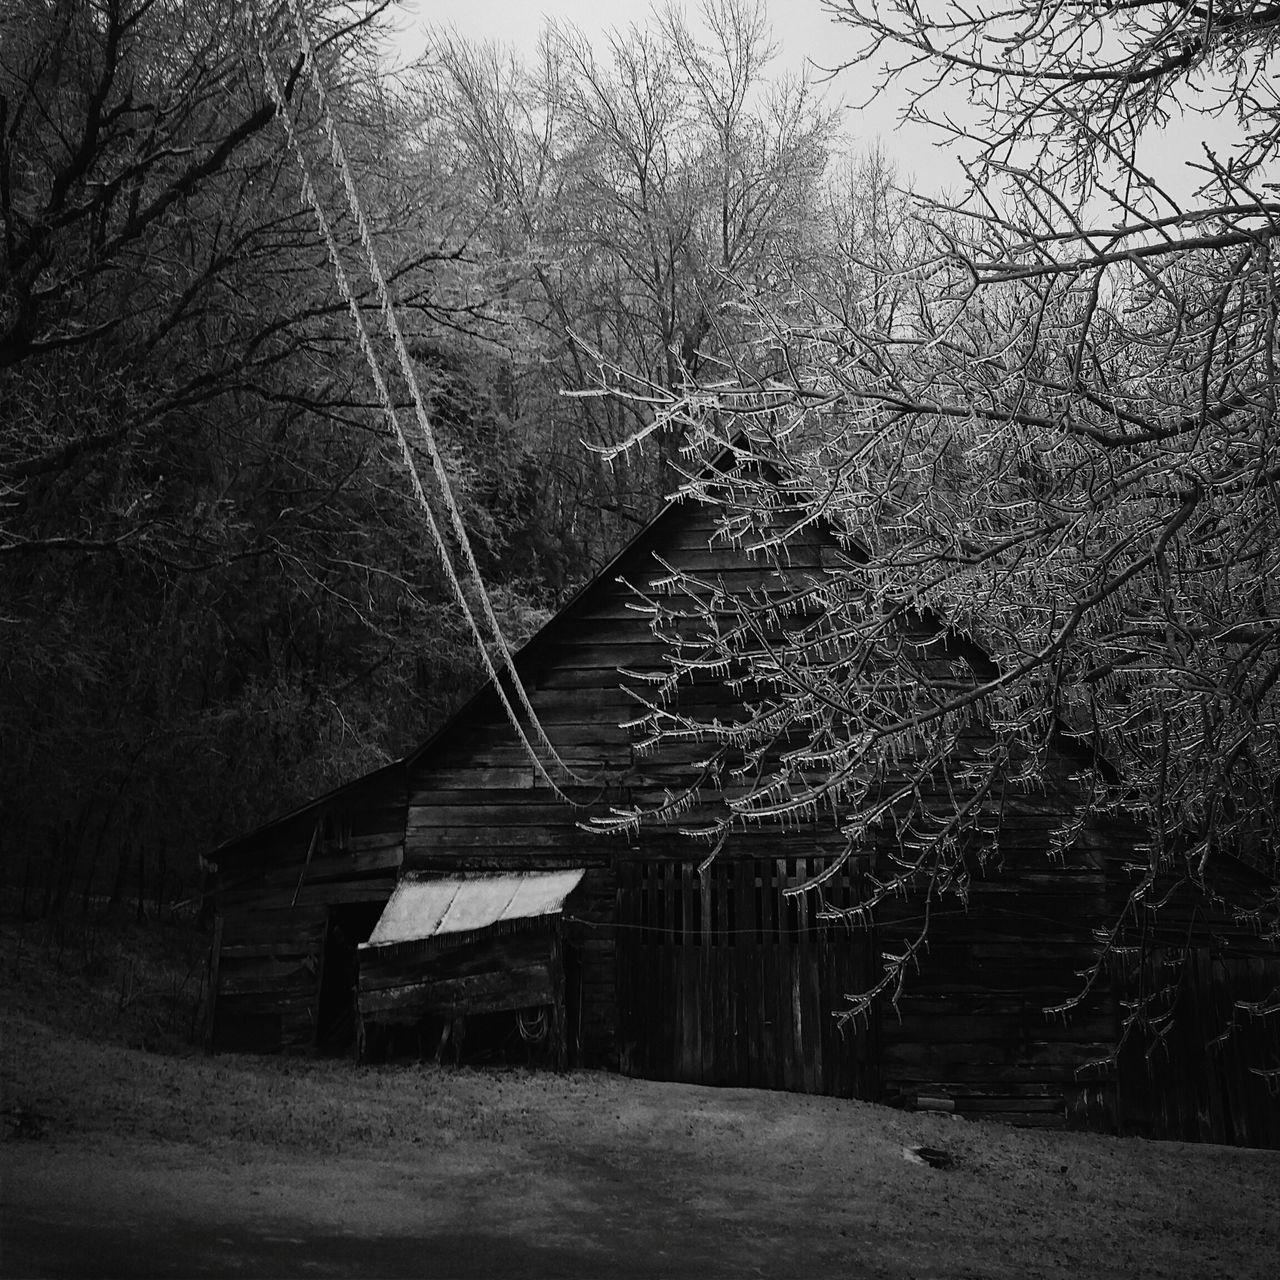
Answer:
(311, 195)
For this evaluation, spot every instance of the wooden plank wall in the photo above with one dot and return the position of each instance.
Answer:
(275, 893)
(1197, 1078)
(268, 979)
(479, 972)
(723, 981)
(590, 966)
(1197, 1082)
(971, 1024)
(476, 803)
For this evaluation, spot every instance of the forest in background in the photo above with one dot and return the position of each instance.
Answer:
(216, 596)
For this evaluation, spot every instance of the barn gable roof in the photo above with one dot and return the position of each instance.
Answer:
(634, 565)
(634, 556)
(631, 558)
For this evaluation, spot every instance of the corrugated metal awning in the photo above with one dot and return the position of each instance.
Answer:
(426, 908)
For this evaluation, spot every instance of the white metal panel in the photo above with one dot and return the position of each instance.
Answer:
(542, 894)
(478, 903)
(411, 913)
(420, 909)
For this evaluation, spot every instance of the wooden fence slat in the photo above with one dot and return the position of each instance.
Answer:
(721, 1047)
(691, 1056)
(746, 1025)
(764, 1054)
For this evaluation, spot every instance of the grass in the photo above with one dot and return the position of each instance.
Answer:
(107, 978)
(96, 1059)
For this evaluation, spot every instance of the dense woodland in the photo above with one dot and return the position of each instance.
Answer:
(1041, 415)
(218, 597)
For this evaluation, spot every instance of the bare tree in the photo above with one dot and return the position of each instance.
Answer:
(1045, 436)
(215, 597)
(627, 188)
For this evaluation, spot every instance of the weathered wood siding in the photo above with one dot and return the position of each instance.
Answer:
(474, 800)
(971, 1024)
(295, 898)
(1199, 1077)
(724, 981)
(509, 967)
(719, 979)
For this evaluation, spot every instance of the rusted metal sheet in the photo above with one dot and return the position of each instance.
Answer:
(422, 908)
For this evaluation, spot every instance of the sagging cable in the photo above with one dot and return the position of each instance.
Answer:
(311, 195)
(343, 169)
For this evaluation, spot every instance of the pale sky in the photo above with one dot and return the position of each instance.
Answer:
(805, 33)
(802, 30)
(800, 26)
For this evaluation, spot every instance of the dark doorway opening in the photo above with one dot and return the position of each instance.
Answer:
(349, 926)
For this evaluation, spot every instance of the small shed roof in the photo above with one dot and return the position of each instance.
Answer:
(426, 908)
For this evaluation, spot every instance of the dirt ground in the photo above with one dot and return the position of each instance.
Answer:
(150, 1164)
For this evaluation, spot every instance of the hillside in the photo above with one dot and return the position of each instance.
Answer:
(159, 1163)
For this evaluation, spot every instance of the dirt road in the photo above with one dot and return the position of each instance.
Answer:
(155, 1166)
(153, 1209)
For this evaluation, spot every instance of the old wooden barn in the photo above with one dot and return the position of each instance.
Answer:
(657, 971)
